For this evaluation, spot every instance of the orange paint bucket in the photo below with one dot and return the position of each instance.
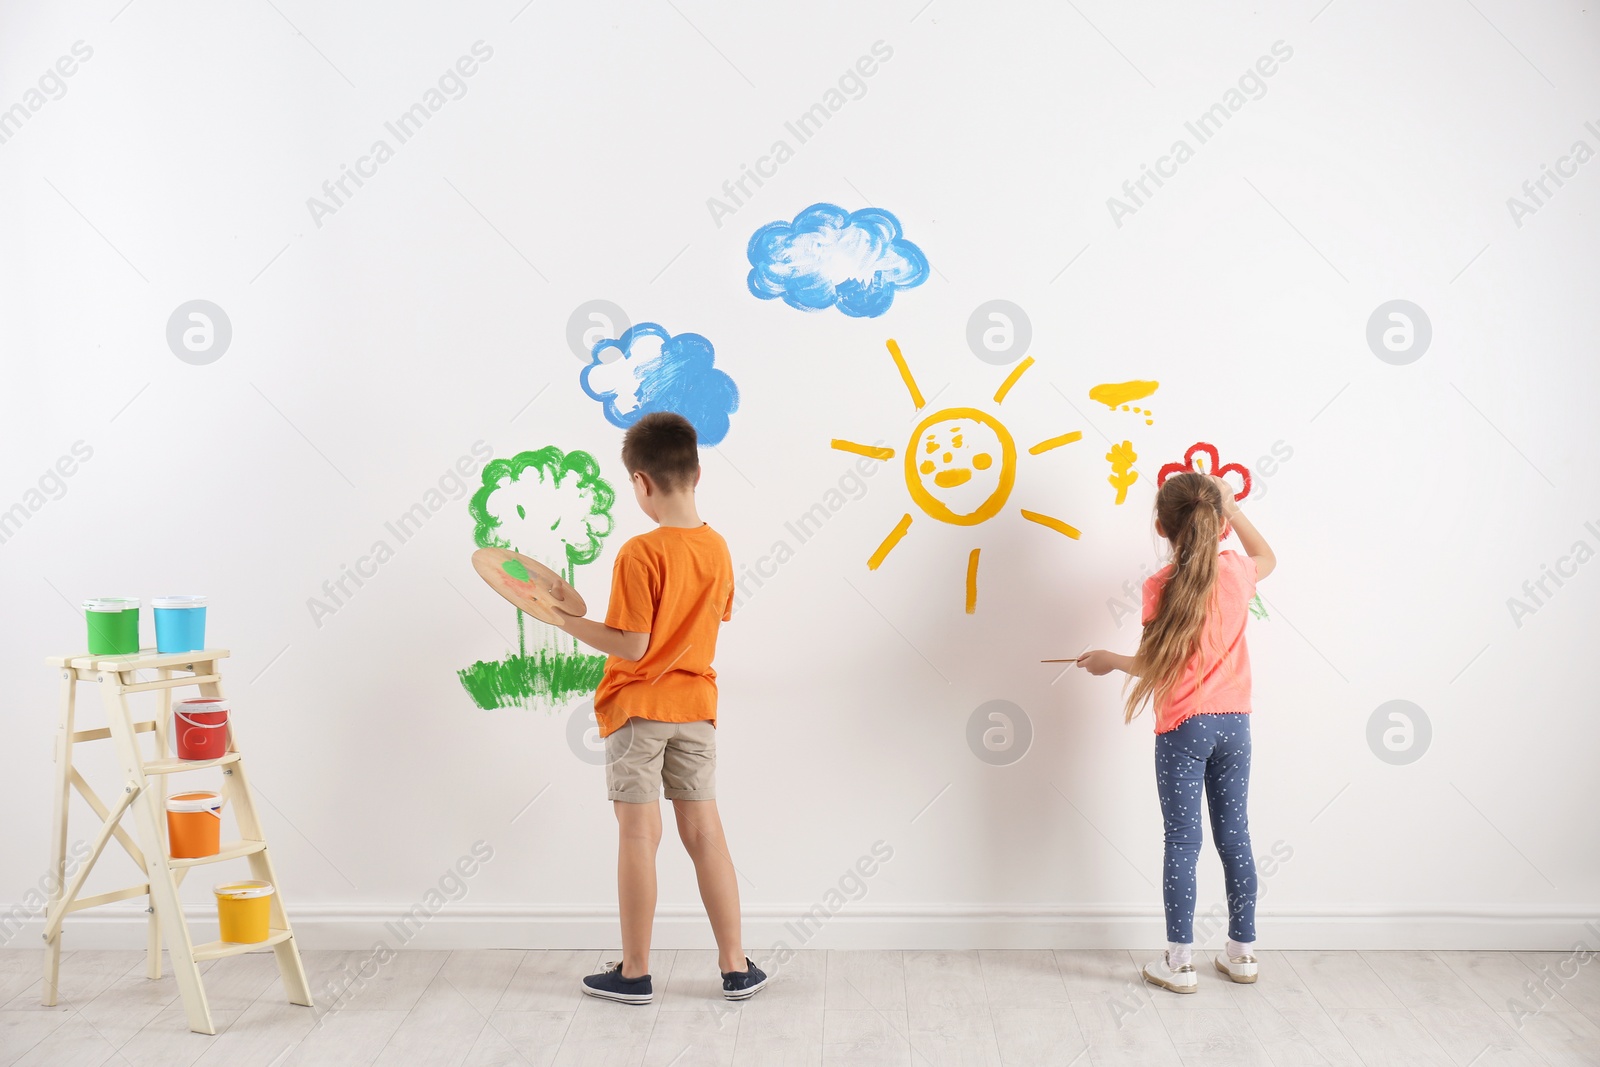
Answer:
(194, 824)
(243, 911)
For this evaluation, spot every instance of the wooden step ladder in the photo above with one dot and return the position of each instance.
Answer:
(143, 792)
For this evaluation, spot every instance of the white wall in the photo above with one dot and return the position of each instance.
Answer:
(371, 351)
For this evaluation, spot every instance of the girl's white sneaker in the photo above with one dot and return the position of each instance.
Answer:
(1241, 969)
(1180, 980)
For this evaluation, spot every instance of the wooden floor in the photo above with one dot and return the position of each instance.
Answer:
(914, 1009)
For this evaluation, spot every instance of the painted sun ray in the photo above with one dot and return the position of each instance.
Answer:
(1055, 442)
(1011, 379)
(1051, 522)
(870, 451)
(972, 582)
(905, 374)
(889, 542)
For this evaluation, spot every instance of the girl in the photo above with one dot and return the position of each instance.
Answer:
(1193, 666)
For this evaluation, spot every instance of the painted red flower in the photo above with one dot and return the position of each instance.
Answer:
(1202, 457)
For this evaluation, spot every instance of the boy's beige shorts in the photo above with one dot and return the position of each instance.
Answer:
(646, 758)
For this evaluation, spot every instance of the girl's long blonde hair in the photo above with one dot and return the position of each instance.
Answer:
(1189, 509)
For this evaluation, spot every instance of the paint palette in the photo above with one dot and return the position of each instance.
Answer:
(527, 584)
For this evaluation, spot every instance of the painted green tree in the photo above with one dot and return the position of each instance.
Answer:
(555, 507)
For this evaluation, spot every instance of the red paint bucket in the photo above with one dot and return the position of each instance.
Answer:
(200, 728)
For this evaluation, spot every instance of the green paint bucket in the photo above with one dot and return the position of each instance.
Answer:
(113, 625)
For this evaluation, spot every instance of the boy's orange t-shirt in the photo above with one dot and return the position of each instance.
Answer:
(1223, 686)
(676, 584)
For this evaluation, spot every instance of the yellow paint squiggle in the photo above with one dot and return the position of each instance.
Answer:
(1122, 458)
(1114, 394)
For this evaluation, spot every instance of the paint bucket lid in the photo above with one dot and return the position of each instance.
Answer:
(186, 601)
(242, 890)
(202, 705)
(111, 603)
(194, 801)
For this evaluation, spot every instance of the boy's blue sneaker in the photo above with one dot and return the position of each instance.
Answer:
(610, 985)
(742, 985)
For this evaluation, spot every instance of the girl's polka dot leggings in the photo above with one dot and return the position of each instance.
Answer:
(1214, 751)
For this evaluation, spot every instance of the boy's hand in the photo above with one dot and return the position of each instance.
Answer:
(1097, 662)
(559, 590)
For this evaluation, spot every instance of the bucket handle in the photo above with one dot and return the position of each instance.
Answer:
(204, 725)
(217, 811)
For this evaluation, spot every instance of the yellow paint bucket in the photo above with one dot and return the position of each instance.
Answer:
(243, 909)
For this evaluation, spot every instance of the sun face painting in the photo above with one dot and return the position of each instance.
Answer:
(960, 466)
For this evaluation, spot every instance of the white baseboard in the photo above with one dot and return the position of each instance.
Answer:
(463, 926)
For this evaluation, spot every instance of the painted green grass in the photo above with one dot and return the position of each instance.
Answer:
(546, 674)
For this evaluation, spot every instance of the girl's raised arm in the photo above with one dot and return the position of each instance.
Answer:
(1255, 546)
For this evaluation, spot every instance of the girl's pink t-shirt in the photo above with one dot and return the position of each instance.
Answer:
(1222, 687)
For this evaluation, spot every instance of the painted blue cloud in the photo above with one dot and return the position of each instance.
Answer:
(829, 256)
(647, 369)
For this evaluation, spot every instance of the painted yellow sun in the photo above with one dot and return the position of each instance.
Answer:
(960, 467)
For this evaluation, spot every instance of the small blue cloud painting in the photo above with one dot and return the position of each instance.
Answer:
(827, 257)
(648, 369)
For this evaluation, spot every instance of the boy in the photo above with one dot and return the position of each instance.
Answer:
(657, 704)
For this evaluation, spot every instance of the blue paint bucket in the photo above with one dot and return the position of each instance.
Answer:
(180, 623)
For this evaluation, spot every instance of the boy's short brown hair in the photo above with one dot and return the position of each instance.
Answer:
(663, 445)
